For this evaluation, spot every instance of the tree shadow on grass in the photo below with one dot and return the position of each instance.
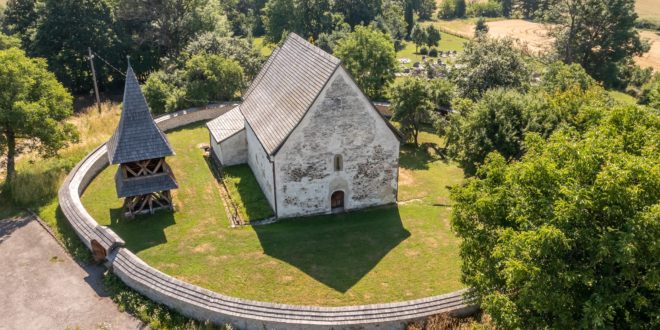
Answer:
(418, 158)
(336, 250)
(142, 232)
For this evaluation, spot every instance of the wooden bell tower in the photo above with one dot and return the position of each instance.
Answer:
(143, 178)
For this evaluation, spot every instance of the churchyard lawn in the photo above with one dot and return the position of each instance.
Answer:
(372, 256)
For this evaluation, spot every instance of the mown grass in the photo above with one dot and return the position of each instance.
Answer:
(448, 42)
(371, 256)
(246, 193)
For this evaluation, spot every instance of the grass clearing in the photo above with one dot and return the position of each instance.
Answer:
(371, 256)
(448, 42)
(246, 193)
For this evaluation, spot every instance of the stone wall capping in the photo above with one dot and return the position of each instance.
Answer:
(202, 304)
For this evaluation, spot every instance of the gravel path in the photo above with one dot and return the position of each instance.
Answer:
(43, 288)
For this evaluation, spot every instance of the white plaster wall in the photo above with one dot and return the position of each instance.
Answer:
(232, 151)
(261, 166)
(341, 121)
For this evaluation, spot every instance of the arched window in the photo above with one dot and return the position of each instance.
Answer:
(339, 163)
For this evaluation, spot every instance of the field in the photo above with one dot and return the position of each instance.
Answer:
(448, 42)
(648, 9)
(378, 255)
(535, 39)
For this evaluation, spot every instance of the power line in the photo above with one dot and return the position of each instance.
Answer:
(108, 63)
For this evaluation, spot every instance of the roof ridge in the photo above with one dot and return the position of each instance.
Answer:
(261, 75)
(327, 56)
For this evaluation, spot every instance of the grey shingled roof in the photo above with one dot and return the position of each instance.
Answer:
(137, 137)
(285, 89)
(227, 124)
(143, 185)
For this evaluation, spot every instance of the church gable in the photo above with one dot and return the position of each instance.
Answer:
(342, 144)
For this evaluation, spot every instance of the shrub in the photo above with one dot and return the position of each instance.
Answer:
(446, 10)
(433, 52)
(156, 90)
(485, 9)
(212, 78)
(424, 51)
(647, 25)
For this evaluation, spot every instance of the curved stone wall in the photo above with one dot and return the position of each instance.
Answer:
(202, 304)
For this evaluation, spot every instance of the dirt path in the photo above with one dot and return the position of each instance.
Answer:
(43, 288)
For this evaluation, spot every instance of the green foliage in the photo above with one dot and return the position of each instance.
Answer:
(459, 8)
(203, 79)
(411, 106)
(567, 236)
(650, 94)
(419, 35)
(432, 36)
(358, 12)
(392, 20)
(489, 63)
(598, 34)
(480, 27)
(241, 50)
(20, 19)
(497, 122)
(507, 7)
(66, 29)
(212, 78)
(308, 18)
(442, 93)
(426, 8)
(369, 56)
(561, 77)
(446, 10)
(7, 42)
(484, 9)
(33, 106)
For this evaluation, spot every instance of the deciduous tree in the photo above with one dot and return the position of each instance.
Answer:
(411, 105)
(33, 107)
(568, 236)
(369, 56)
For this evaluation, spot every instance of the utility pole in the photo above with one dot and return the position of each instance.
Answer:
(96, 86)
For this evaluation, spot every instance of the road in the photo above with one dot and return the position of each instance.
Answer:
(42, 287)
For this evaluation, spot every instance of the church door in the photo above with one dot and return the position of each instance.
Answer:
(337, 200)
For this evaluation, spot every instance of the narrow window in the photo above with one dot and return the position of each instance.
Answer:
(339, 163)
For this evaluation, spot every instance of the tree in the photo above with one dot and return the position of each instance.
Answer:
(238, 49)
(597, 34)
(66, 29)
(33, 107)
(507, 7)
(309, 18)
(446, 10)
(459, 8)
(496, 123)
(489, 63)
(561, 77)
(20, 19)
(411, 105)
(419, 36)
(650, 93)
(426, 9)
(369, 56)
(212, 78)
(480, 27)
(432, 36)
(358, 12)
(7, 42)
(567, 237)
(392, 20)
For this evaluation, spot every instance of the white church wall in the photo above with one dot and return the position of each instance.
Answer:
(261, 166)
(341, 122)
(232, 151)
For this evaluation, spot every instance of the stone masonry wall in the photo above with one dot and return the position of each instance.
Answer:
(341, 122)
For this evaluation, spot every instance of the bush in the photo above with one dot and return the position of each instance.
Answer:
(211, 78)
(484, 9)
(156, 90)
(446, 10)
(433, 52)
(647, 25)
(424, 51)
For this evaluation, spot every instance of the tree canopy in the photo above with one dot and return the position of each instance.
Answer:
(33, 107)
(567, 236)
(369, 56)
(489, 63)
(411, 104)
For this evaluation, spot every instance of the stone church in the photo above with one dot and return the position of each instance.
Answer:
(313, 140)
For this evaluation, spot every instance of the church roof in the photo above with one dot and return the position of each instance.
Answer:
(226, 125)
(285, 89)
(137, 137)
